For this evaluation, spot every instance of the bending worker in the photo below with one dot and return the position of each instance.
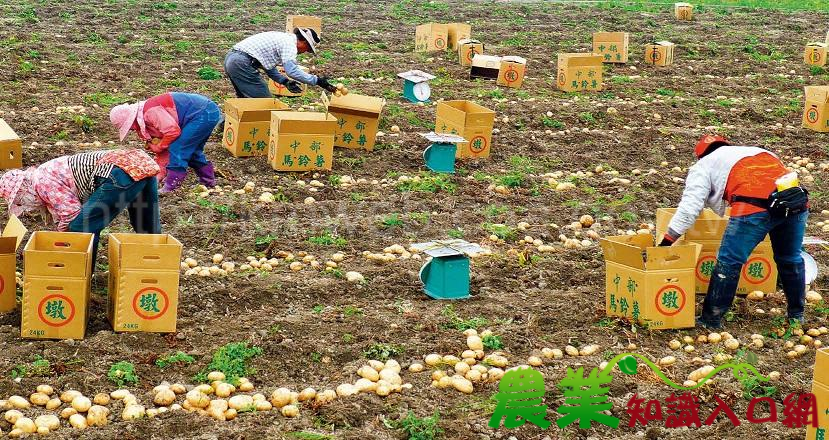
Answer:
(266, 51)
(85, 192)
(765, 199)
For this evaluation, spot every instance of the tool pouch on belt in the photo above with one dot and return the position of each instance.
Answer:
(780, 203)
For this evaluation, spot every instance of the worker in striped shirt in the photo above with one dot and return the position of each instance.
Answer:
(267, 51)
(85, 192)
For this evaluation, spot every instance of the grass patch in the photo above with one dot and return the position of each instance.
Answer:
(501, 231)
(328, 238)
(416, 428)
(383, 352)
(209, 74)
(428, 183)
(232, 360)
(38, 367)
(122, 373)
(458, 323)
(178, 359)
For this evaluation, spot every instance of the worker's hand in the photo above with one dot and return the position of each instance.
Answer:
(666, 241)
(323, 82)
(293, 87)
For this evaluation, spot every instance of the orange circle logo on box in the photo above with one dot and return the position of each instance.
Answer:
(440, 43)
(814, 57)
(511, 75)
(757, 270)
(229, 135)
(655, 55)
(150, 303)
(705, 267)
(562, 78)
(2, 284)
(812, 115)
(670, 300)
(477, 144)
(470, 53)
(56, 310)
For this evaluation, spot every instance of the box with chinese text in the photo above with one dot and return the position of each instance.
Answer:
(470, 121)
(579, 72)
(358, 118)
(247, 124)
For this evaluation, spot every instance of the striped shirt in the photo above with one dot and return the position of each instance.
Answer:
(85, 167)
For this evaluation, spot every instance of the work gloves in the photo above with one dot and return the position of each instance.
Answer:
(323, 82)
(293, 87)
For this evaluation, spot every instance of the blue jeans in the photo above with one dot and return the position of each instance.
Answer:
(188, 149)
(742, 235)
(113, 195)
(243, 71)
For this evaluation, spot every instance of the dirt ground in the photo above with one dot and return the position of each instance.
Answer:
(738, 71)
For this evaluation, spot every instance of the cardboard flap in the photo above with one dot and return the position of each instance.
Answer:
(252, 109)
(664, 43)
(678, 256)
(468, 41)
(310, 123)
(514, 59)
(15, 229)
(465, 113)
(486, 61)
(566, 60)
(147, 251)
(817, 93)
(626, 249)
(610, 36)
(325, 101)
(360, 105)
(6, 132)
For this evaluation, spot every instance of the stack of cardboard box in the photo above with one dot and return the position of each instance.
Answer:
(143, 282)
(433, 37)
(57, 271)
(820, 389)
(759, 272)
(302, 141)
(11, 149)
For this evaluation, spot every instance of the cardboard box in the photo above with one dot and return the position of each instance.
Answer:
(12, 236)
(54, 308)
(57, 271)
(455, 32)
(358, 118)
(431, 37)
(485, 66)
(511, 71)
(469, 120)
(612, 46)
(821, 393)
(815, 54)
(280, 90)
(660, 53)
(467, 49)
(759, 272)
(821, 370)
(247, 124)
(58, 255)
(306, 21)
(648, 284)
(301, 141)
(708, 227)
(579, 71)
(816, 111)
(11, 149)
(143, 282)
(684, 11)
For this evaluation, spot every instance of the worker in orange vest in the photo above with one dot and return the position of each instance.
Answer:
(765, 199)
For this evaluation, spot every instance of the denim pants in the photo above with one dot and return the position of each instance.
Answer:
(113, 195)
(742, 235)
(188, 149)
(243, 71)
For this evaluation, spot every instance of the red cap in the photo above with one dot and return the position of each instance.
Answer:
(706, 142)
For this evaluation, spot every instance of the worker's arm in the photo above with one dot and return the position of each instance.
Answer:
(164, 123)
(294, 72)
(276, 76)
(697, 188)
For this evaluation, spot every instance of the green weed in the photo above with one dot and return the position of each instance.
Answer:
(415, 428)
(122, 373)
(232, 360)
(328, 238)
(458, 323)
(501, 231)
(177, 358)
(391, 221)
(208, 73)
(383, 352)
(492, 342)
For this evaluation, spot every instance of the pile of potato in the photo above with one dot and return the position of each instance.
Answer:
(191, 266)
(79, 411)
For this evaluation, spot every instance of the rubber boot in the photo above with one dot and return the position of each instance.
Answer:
(721, 291)
(173, 181)
(207, 175)
(793, 279)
